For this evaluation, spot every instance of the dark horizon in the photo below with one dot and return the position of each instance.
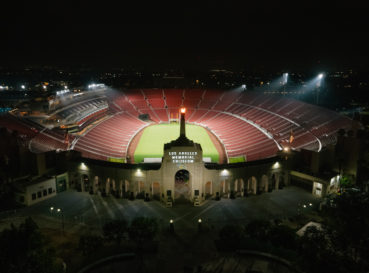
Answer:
(269, 40)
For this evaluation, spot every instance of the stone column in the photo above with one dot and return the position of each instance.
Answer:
(95, 185)
(107, 186)
(82, 184)
(121, 188)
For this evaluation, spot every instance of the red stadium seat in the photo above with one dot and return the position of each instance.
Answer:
(248, 124)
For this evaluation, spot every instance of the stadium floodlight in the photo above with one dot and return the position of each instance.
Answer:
(183, 110)
(285, 78)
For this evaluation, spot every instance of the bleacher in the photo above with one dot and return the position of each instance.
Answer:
(49, 140)
(249, 124)
(110, 138)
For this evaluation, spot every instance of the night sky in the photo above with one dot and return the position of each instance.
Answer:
(194, 37)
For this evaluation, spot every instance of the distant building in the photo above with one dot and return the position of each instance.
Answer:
(29, 191)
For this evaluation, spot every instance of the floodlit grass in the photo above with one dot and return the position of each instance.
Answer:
(154, 137)
(237, 159)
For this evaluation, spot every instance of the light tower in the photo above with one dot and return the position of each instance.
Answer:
(284, 82)
(318, 85)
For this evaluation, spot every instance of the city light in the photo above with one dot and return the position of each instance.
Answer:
(320, 76)
(199, 220)
(62, 92)
(244, 86)
(96, 85)
(23, 86)
(183, 110)
(171, 221)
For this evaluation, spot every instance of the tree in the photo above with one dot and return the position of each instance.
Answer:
(347, 226)
(115, 231)
(317, 255)
(231, 233)
(89, 243)
(346, 182)
(25, 249)
(143, 229)
(258, 229)
(282, 236)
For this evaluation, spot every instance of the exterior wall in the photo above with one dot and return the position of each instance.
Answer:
(136, 180)
(60, 180)
(35, 193)
(170, 167)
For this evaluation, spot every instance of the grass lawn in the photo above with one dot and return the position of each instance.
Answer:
(154, 137)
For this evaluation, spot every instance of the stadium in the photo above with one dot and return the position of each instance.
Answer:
(244, 137)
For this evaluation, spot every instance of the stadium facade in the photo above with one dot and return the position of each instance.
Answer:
(260, 130)
(181, 177)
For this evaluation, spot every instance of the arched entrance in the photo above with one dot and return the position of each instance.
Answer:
(95, 186)
(264, 183)
(208, 189)
(156, 190)
(224, 187)
(252, 185)
(85, 183)
(182, 186)
(140, 189)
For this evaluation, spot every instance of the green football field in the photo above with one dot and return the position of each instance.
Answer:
(151, 143)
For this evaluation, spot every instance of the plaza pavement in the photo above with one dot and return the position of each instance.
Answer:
(82, 211)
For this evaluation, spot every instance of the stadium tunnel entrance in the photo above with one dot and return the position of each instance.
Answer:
(182, 188)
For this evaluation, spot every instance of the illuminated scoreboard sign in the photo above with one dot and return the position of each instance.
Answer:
(183, 157)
